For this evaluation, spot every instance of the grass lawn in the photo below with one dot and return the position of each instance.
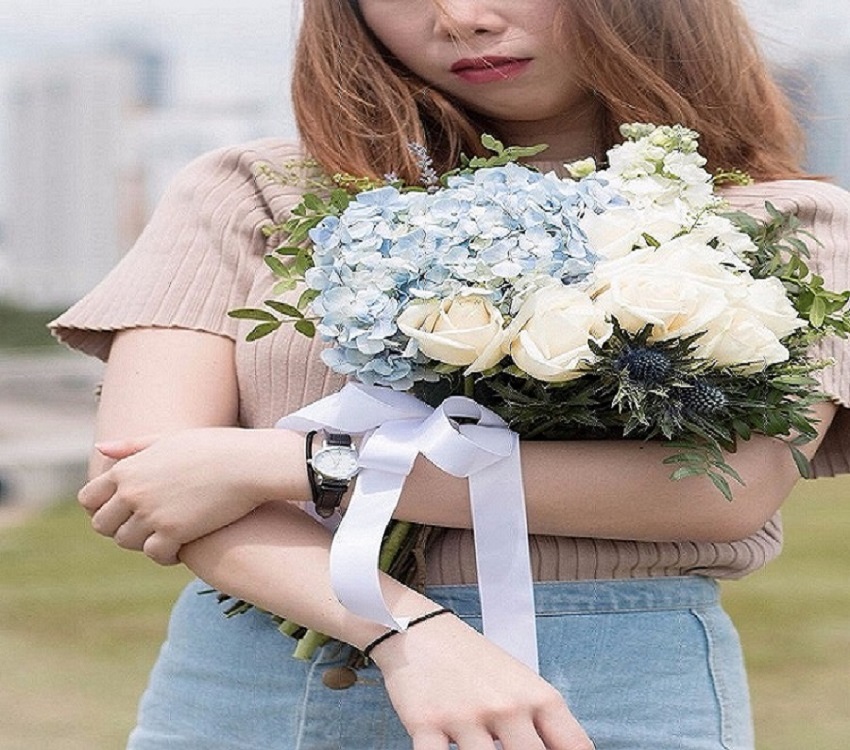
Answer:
(81, 621)
(21, 329)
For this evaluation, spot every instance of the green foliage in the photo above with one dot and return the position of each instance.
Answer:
(781, 251)
(501, 155)
(25, 329)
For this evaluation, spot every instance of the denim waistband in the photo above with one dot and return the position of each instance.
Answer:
(595, 597)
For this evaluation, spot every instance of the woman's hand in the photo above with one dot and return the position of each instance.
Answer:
(449, 684)
(164, 492)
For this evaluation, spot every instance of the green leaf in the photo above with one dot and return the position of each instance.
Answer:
(303, 263)
(278, 267)
(307, 297)
(684, 472)
(818, 312)
(803, 465)
(306, 328)
(287, 250)
(284, 309)
(726, 469)
(249, 313)
(263, 330)
(313, 203)
(287, 285)
(492, 144)
(721, 485)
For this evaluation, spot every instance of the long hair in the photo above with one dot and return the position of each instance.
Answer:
(694, 62)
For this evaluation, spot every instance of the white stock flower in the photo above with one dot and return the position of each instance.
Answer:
(548, 338)
(456, 331)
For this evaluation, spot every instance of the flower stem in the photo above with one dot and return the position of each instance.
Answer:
(309, 644)
(468, 386)
(395, 540)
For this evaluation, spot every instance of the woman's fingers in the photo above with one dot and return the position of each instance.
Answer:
(476, 738)
(118, 449)
(161, 549)
(560, 730)
(520, 735)
(430, 740)
(132, 534)
(111, 515)
(96, 492)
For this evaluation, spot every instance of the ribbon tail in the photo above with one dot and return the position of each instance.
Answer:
(503, 559)
(356, 547)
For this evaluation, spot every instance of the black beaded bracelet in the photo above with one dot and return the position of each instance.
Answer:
(415, 621)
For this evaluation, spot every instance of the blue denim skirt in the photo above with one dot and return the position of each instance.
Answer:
(651, 664)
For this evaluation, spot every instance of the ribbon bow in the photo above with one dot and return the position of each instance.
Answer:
(462, 438)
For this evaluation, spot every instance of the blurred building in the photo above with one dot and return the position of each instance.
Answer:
(66, 120)
(93, 148)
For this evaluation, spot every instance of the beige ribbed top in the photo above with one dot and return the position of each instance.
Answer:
(202, 255)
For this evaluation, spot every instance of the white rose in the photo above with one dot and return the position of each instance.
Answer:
(463, 330)
(548, 338)
(615, 232)
(739, 338)
(767, 300)
(674, 305)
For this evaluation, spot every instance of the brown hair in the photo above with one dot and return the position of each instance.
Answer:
(693, 62)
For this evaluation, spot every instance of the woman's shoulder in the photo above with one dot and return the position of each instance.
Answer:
(270, 171)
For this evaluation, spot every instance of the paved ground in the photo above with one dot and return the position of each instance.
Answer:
(47, 405)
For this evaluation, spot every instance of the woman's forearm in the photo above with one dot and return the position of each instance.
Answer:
(622, 490)
(278, 559)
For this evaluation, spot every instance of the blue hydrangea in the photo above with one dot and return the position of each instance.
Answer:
(501, 230)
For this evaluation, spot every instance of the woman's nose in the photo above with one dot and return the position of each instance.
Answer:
(463, 19)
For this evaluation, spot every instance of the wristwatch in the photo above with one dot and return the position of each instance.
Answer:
(330, 470)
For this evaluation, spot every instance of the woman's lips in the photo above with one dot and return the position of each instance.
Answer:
(490, 69)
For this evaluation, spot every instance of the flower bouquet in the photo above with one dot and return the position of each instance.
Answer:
(624, 302)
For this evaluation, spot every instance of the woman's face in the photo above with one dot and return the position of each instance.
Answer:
(500, 58)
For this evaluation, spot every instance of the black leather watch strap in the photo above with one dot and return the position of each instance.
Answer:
(327, 492)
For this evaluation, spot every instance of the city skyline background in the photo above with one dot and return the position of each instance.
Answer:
(101, 103)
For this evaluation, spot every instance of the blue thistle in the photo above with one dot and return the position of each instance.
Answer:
(644, 365)
(703, 399)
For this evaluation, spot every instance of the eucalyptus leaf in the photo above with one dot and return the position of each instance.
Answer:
(306, 328)
(277, 266)
(263, 330)
(284, 309)
(250, 313)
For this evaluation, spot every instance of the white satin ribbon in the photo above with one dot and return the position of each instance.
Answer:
(485, 451)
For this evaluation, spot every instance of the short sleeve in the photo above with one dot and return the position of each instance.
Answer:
(824, 211)
(197, 257)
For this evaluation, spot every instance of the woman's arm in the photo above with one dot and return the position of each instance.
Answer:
(194, 480)
(446, 681)
(619, 489)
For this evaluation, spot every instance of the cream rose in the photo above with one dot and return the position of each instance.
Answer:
(548, 338)
(617, 231)
(464, 331)
(767, 300)
(739, 338)
(673, 305)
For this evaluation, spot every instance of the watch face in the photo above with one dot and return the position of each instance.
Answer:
(336, 462)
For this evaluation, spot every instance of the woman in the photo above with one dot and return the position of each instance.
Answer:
(635, 650)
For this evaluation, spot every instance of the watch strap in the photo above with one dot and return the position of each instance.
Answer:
(327, 492)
